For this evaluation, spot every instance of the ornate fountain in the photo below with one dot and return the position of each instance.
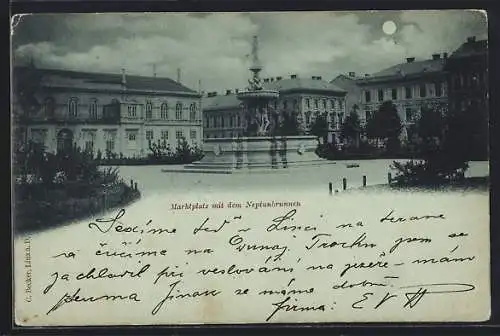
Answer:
(259, 149)
(261, 118)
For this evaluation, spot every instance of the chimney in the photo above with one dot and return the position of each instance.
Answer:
(228, 92)
(352, 74)
(318, 77)
(293, 76)
(271, 79)
(124, 78)
(410, 59)
(313, 77)
(445, 55)
(471, 39)
(279, 78)
(178, 75)
(266, 80)
(436, 56)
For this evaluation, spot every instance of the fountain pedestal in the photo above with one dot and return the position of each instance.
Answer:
(256, 154)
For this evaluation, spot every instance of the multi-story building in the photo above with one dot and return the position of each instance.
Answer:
(307, 98)
(411, 86)
(114, 113)
(223, 115)
(467, 70)
(348, 82)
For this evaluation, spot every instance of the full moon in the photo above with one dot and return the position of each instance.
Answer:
(389, 27)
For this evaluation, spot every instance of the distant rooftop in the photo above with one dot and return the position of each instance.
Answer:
(220, 102)
(471, 48)
(314, 83)
(229, 100)
(411, 67)
(80, 79)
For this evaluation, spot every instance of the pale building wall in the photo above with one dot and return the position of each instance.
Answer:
(333, 105)
(409, 109)
(130, 139)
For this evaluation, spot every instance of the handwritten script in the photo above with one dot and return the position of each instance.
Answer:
(344, 259)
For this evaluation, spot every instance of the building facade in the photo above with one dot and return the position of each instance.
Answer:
(348, 82)
(307, 98)
(110, 113)
(411, 86)
(467, 70)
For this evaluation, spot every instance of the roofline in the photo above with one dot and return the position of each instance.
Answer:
(390, 78)
(185, 92)
(126, 91)
(313, 90)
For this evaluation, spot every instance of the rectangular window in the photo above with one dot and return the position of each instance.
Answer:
(368, 115)
(394, 94)
(438, 89)
(179, 135)
(368, 96)
(380, 95)
(408, 94)
(132, 111)
(409, 114)
(193, 134)
(164, 135)
(89, 146)
(423, 91)
(149, 135)
(110, 145)
(131, 136)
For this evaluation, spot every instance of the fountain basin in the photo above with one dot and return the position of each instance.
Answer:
(256, 154)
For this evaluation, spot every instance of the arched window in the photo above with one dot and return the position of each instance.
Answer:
(49, 106)
(149, 110)
(192, 112)
(93, 108)
(164, 111)
(178, 111)
(73, 107)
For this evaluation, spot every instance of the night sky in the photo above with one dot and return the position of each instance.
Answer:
(213, 47)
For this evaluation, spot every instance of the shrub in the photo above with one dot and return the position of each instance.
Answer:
(428, 172)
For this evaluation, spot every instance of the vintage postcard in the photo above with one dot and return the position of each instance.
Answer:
(232, 168)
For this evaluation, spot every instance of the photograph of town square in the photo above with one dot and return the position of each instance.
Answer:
(110, 108)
